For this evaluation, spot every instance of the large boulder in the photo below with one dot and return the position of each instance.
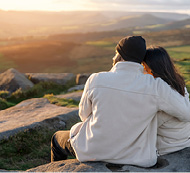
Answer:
(35, 112)
(74, 96)
(59, 78)
(174, 162)
(71, 165)
(82, 78)
(11, 80)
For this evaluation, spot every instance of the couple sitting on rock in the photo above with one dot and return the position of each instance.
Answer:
(131, 114)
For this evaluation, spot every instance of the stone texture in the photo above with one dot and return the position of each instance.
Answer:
(174, 162)
(34, 112)
(11, 80)
(59, 78)
(76, 88)
(75, 96)
(82, 78)
(71, 165)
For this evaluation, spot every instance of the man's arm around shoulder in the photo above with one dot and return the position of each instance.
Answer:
(171, 102)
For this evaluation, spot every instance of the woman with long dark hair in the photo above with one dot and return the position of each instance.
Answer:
(173, 134)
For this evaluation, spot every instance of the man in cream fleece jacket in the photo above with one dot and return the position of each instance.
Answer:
(118, 112)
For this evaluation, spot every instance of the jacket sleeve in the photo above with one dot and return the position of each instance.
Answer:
(85, 105)
(173, 103)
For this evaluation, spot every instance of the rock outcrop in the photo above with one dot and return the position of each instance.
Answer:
(175, 162)
(74, 96)
(11, 80)
(35, 112)
(59, 78)
(71, 165)
(82, 78)
(76, 88)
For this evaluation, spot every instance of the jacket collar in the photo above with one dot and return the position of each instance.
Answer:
(127, 66)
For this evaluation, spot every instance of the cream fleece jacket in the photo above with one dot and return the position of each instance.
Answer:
(173, 134)
(118, 112)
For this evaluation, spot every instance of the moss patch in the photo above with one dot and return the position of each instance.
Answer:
(61, 101)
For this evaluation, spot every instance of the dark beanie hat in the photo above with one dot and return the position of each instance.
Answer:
(132, 48)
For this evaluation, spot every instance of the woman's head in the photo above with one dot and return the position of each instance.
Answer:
(161, 65)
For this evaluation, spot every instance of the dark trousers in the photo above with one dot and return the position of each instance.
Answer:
(60, 146)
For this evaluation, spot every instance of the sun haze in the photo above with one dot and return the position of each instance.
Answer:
(181, 6)
(43, 5)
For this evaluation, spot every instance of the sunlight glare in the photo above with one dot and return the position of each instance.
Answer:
(44, 5)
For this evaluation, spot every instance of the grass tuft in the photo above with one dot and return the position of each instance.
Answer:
(37, 91)
(4, 104)
(26, 149)
(61, 101)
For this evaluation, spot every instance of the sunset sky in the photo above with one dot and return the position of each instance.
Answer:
(181, 6)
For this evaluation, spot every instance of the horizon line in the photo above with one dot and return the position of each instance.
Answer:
(132, 11)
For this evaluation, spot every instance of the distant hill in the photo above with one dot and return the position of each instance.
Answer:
(23, 23)
(133, 21)
(36, 23)
(164, 15)
(172, 16)
(42, 18)
(179, 24)
(182, 24)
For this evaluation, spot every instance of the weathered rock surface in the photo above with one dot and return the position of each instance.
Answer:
(76, 88)
(59, 78)
(34, 112)
(82, 78)
(75, 96)
(11, 80)
(175, 162)
(71, 165)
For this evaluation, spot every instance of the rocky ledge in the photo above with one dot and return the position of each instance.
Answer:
(35, 112)
(174, 162)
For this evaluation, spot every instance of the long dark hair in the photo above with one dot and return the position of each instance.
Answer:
(162, 66)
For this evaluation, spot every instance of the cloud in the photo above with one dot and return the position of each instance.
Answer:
(145, 2)
(142, 5)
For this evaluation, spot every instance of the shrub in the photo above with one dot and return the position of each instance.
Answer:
(37, 91)
(3, 104)
(4, 94)
(17, 94)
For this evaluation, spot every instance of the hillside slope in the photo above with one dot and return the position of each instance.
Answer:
(179, 24)
(36, 23)
(133, 21)
(75, 53)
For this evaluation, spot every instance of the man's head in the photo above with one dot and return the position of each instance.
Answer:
(132, 48)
